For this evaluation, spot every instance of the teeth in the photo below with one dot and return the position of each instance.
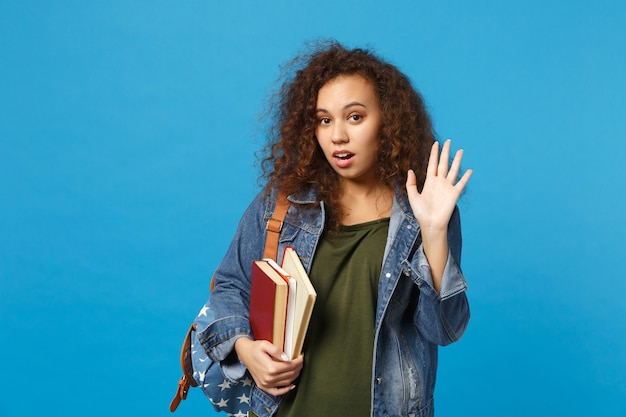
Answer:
(343, 155)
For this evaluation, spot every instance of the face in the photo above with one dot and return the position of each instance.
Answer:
(348, 123)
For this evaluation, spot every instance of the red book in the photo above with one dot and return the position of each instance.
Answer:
(268, 303)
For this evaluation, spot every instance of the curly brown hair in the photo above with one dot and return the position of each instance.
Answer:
(293, 158)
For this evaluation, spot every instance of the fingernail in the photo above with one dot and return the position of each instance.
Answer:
(284, 357)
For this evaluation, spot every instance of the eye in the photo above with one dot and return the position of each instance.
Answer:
(324, 120)
(355, 117)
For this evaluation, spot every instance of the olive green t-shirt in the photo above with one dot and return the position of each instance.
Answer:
(337, 373)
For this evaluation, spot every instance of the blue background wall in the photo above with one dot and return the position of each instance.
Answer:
(127, 139)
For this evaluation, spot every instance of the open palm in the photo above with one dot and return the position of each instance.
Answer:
(433, 207)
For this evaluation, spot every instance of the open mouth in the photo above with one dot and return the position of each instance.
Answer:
(344, 156)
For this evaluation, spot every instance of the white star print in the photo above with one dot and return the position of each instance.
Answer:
(244, 399)
(203, 311)
(201, 376)
(224, 385)
(206, 378)
(223, 403)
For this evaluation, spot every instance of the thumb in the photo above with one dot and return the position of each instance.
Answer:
(411, 185)
(276, 353)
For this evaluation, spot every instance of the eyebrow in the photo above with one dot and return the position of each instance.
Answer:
(347, 106)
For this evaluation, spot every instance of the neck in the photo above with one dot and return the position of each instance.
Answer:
(358, 189)
(365, 202)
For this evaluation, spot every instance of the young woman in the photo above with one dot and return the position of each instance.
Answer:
(373, 218)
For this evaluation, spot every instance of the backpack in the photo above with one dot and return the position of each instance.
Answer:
(232, 397)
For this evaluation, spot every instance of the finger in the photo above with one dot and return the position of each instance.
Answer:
(444, 159)
(272, 380)
(411, 185)
(464, 179)
(280, 373)
(456, 165)
(276, 353)
(411, 179)
(298, 362)
(431, 170)
(285, 381)
(279, 379)
(278, 391)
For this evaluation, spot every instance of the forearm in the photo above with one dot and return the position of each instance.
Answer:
(435, 244)
(443, 311)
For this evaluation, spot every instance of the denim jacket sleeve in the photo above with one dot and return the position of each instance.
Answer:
(443, 317)
(230, 298)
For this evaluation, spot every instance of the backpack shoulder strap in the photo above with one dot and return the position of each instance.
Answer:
(274, 226)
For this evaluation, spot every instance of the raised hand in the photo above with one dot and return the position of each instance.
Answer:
(433, 207)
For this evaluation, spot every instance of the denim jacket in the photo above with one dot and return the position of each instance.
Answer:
(411, 318)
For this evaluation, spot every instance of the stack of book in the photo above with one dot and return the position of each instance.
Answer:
(281, 302)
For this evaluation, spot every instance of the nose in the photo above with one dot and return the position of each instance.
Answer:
(339, 134)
